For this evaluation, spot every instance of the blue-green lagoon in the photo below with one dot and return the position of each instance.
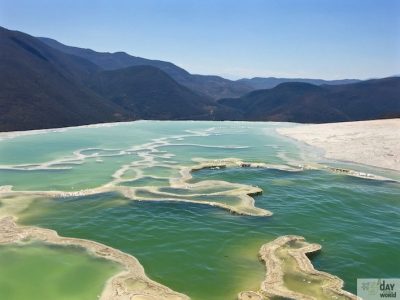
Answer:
(193, 202)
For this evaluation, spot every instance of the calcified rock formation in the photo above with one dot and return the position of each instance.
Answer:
(179, 188)
(290, 274)
(374, 143)
(234, 197)
(130, 284)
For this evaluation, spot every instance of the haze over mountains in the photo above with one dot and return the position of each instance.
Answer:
(45, 84)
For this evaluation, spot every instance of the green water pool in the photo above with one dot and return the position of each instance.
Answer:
(202, 251)
(40, 272)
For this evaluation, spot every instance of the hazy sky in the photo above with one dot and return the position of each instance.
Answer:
(328, 39)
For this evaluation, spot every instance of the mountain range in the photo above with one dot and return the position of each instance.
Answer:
(45, 84)
(215, 87)
(212, 86)
(259, 83)
(308, 103)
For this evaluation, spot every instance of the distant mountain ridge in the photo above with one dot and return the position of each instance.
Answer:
(307, 103)
(212, 86)
(259, 83)
(43, 87)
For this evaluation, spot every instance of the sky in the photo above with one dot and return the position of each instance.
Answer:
(329, 39)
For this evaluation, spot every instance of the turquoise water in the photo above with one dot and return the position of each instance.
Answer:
(203, 251)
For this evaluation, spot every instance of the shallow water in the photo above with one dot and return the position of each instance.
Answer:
(205, 252)
(39, 271)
